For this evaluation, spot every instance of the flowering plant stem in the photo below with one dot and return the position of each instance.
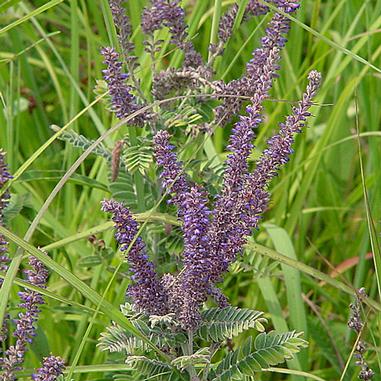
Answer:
(189, 352)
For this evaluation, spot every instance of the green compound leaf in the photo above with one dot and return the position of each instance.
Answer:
(117, 339)
(152, 369)
(138, 158)
(122, 189)
(200, 359)
(220, 324)
(269, 349)
(80, 141)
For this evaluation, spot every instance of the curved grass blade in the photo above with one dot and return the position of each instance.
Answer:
(141, 217)
(307, 270)
(294, 372)
(31, 14)
(263, 250)
(108, 309)
(49, 294)
(283, 245)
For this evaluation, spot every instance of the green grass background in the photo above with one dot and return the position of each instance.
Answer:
(326, 204)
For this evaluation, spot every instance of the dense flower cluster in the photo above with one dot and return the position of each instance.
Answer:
(123, 102)
(229, 229)
(52, 368)
(212, 240)
(146, 291)
(197, 256)
(25, 323)
(226, 214)
(213, 237)
(173, 177)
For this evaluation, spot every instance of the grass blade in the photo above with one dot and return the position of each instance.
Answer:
(31, 14)
(107, 308)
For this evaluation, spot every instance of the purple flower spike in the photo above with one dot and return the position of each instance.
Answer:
(279, 146)
(25, 323)
(146, 291)
(275, 37)
(122, 24)
(195, 279)
(172, 176)
(168, 13)
(52, 368)
(5, 176)
(287, 6)
(254, 197)
(225, 29)
(122, 101)
(225, 231)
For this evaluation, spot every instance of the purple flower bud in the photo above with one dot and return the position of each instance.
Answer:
(52, 368)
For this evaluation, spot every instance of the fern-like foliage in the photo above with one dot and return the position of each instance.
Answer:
(159, 329)
(122, 189)
(80, 141)
(151, 369)
(257, 265)
(269, 349)
(117, 339)
(138, 157)
(220, 324)
(199, 359)
(187, 117)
